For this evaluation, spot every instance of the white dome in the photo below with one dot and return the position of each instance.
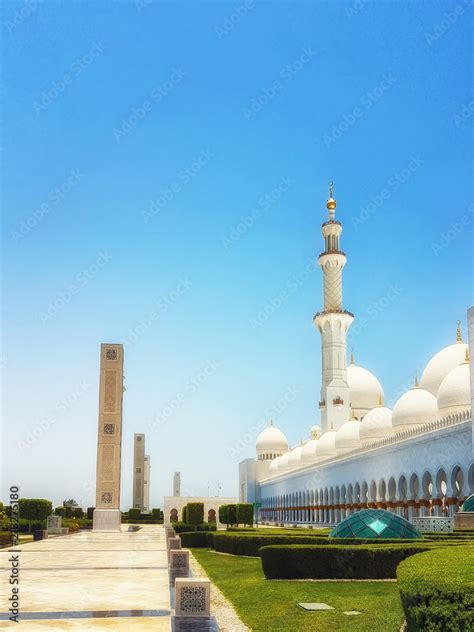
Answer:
(454, 393)
(347, 437)
(440, 365)
(315, 432)
(326, 445)
(377, 424)
(271, 440)
(417, 406)
(283, 462)
(308, 453)
(275, 464)
(366, 392)
(294, 458)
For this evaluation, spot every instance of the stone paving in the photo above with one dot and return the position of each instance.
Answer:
(90, 581)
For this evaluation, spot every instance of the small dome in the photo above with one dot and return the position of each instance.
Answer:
(440, 365)
(308, 453)
(417, 406)
(326, 446)
(376, 424)
(375, 523)
(366, 392)
(454, 394)
(347, 437)
(271, 441)
(283, 462)
(315, 432)
(294, 458)
(275, 464)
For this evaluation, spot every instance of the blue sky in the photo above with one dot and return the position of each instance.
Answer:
(165, 171)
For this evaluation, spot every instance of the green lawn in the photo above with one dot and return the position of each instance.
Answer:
(265, 605)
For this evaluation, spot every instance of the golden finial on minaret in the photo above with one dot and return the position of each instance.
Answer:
(467, 355)
(459, 334)
(416, 381)
(352, 356)
(381, 402)
(271, 422)
(354, 416)
(331, 203)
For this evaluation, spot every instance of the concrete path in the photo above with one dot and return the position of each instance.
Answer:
(90, 581)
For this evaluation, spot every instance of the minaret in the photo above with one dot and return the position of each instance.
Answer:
(333, 324)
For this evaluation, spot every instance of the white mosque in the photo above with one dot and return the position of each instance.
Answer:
(415, 460)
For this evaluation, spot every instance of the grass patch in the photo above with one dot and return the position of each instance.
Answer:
(267, 606)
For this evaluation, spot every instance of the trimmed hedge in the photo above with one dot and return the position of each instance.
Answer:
(334, 562)
(182, 527)
(156, 514)
(184, 514)
(231, 514)
(35, 508)
(249, 544)
(195, 513)
(437, 590)
(5, 538)
(197, 539)
(245, 514)
(134, 513)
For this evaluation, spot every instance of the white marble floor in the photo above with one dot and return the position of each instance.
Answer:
(90, 581)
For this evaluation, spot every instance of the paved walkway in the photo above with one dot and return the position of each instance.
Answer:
(90, 581)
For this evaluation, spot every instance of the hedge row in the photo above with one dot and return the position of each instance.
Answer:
(182, 527)
(437, 590)
(5, 538)
(335, 562)
(197, 539)
(241, 513)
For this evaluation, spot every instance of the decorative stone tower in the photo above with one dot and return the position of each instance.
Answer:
(107, 515)
(138, 470)
(333, 324)
(177, 484)
(146, 485)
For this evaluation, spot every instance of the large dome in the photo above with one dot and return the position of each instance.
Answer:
(440, 365)
(377, 424)
(347, 437)
(326, 446)
(375, 523)
(417, 406)
(271, 441)
(365, 390)
(454, 394)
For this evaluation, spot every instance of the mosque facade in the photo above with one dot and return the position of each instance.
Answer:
(415, 459)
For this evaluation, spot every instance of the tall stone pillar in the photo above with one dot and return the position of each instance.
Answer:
(107, 515)
(146, 485)
(138, 470)
(177, 484)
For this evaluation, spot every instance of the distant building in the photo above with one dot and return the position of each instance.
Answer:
(146, 485)
(138, 471)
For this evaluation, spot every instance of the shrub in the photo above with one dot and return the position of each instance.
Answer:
(231, 514)
(184, 514)
(59, 511)
(245, 514)
(334, 562)
(196, 539)
(5, 538)
(90, 513)
(134, 514)
(182, 527)
(35, 508)
(195, 513)
(437, 591)
(78, 512)
(223, 514)
(157, 514)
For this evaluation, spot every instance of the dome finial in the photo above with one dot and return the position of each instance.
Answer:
(459, 334)
(331, 203)
(271, 422)
(352, 356)
(381, 402)
(354, 416)
(416, 382)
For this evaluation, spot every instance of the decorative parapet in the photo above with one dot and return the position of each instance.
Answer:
(440, 524)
